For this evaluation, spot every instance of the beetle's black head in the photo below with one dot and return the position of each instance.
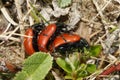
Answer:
(83, 43)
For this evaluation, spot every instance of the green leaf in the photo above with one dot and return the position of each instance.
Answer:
(34, 16)
(68, 77)
(64, 65)
(21, 76)
(95, 50)
(75, 59)
(35, 67)
(80, 78)
(64, 3)
(91, 68)
(82, 73)
(113, 29)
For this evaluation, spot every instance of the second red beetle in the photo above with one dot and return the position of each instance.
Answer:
(67, 42)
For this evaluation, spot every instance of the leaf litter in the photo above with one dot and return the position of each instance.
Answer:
(98, 21)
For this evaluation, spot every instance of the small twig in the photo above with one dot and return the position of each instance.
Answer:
(98, 9)
(8, 26)
(10, 43)
(12, 32)
(114, 12)
(84, 20)
(92, 20)
(111, 57)
(22, 35)
(7, 16)
(95, 33)
(31, 21)
(26, 15)
(2, 42)
(18, 7)
(100, 38)
(93, 76)
(109, 65)
(20, 16)
(110, 40)
(101, 59)
(3, 37)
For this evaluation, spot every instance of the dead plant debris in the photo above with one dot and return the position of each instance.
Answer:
(98, 21)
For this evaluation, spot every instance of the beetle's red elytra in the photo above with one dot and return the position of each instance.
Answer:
(44, 37)
(63, 39)
(28, 42)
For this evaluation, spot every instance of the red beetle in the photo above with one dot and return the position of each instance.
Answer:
(28, 42)
(44, 36)
(68, 42)
(64, 39)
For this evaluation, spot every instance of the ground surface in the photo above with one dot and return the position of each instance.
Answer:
(98, 21)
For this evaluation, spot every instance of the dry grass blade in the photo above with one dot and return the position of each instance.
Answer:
(12, 32)
(3, 37)
(99, 12)
(95, 20)
(17, 34)
(21, 26)
(7, 16)
(7, 28)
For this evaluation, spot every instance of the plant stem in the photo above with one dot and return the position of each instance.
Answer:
(74, 76)
(39, 14)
